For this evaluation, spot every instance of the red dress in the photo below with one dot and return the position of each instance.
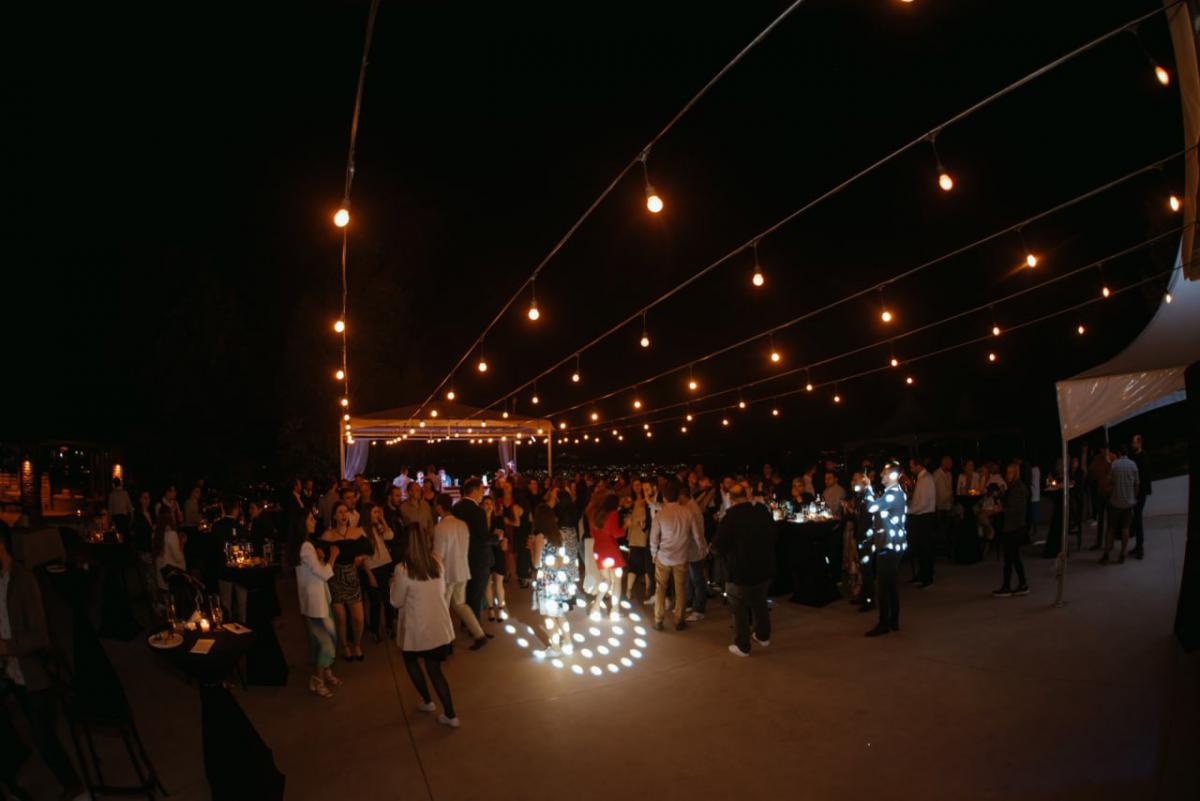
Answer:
(604, 543)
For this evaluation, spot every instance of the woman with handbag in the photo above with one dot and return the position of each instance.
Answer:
(312, 584)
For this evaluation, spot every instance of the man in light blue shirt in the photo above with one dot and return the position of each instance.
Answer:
(1124, 478)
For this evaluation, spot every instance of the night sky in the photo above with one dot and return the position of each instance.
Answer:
(173, 271)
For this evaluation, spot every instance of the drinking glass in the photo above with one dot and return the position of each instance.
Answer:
(215, 611)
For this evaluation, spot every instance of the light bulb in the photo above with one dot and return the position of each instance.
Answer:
(504, 414)
(345, 417)
(620, 437)
(992, 356)
(1163, 76)
(692, 385)
(774, 412)
(683, 429)
(536, 400)
(615, 432)
(1167, 297)
(1030, 260)
(1081, 330)
(575, 377)
(345, 401)
(450, 395)
(995, 330)
(595, 417)
(341, 217)
(837, 398)
(653, 202)
(758, 279)
(945, 181)
(724, 421)
(909, 380)
(644, 341)
(1104, 291)
(562, 426)
(886, 316)
(1174, 203)
(649, 435)
(339, 326)
(775, 357)
(741, 404)
(534, 314)
(689, 417)
(482, 366)
(894, 362)
(645, 426)
(637, 404)
(340, 375)
(808, 387)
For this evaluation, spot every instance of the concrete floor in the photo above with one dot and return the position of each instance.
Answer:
(976, 698)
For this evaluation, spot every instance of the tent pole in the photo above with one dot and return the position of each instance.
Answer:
(1060, 562)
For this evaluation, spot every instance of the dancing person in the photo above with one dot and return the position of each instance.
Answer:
(888, 542)
(419, 595)
(1016, 504)
(25, 651)
(637, 534)
(494, 597)
(610, 564)
(672, 534)
(451, 544)
(555, 576)
(344, 588)
(1122, 496)
(312, 584)
(745, 540)
(378, 573)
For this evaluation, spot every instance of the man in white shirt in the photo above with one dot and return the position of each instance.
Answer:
(833, 494)
(922, 521)
(402, 481)
(943, 484)
(451, 541)
(673, 535)
(120, 507)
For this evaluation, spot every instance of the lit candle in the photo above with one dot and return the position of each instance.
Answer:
(204, 624)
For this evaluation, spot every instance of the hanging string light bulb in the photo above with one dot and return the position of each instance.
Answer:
(341, 217)
(654, 203)
(1174, 203)
(575, 373)
(992, 356)
(534, 314)
(741, 402)
(692, 384)
(995, 326)
(340, 375)
(1160, 72)
(450, 394)
(645, 340)
(1081, 329)
(339, 326)
(808, 384)
(1167, 297)
(910, 380)
(945, 181)
(1031, 259)
(885, 314)
(837, 396)
(483, 365)
(345, 402)
(683, 429)
(1105, 292)
(757, 279)
(595, 416)
(774, 412)
(774, 355)
(893, 361)
(725, 421)
(535, 400)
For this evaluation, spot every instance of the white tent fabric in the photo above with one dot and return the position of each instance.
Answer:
(1139, 377)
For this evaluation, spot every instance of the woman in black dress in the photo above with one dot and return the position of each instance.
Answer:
(344, 588)
(495, 590)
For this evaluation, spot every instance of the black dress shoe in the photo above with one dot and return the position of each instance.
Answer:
(475, 646)
(878, 631)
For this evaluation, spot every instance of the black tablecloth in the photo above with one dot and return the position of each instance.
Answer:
(111, 562)
(803, 562)
(966, 539)
(265, 663)
(237, 763)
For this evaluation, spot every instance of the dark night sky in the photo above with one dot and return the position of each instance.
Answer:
(173, 270)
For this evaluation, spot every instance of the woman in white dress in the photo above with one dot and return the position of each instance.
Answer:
(312, 583)
(426, 632)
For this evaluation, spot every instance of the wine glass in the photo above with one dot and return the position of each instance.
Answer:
(215, 611)
(171, 620)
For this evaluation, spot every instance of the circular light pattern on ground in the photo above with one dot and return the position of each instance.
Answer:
(597, 644)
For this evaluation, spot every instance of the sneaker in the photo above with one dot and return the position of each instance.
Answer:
(427, 706)
(658, 625)
(451, 722)
(695, 617)
(733, 649)
(1003, 592)
(763, 643)
(1022, 590)
(648, 601)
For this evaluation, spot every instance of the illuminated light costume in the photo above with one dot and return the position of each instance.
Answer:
(883, 546)
(556, 581)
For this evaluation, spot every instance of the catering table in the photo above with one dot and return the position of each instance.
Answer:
(966, 548)
(803, 566)
(265, 663)
(237, 763)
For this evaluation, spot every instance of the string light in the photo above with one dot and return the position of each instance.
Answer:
(450, 394)
(637, 403)
(345, 401)
(341, 218)
(884, 313)
(1168, 298)
(649, 435)
(562, 426)
(575, 374)
(483, 365)
(645, 340)
(693, 385)
(595, 417)
(1161, 74)
(534, 314)
(1104, 290)
(504, 414)
(345, 417)
(808, 384)
(339, 326)
(1081, 329)
(945, 182)
(433, 412)
(535, 400)
(775, 357)
(615, 432)
(837, 398)
(1174, 203)
(645, 426)
(725, 421)
(910, 380)
(758, 279)
(683, 429)
(992, 356)
(1031, 259)
(654, 203)
(688, 417)
(893, 361)
(340, 375)
(774, 412)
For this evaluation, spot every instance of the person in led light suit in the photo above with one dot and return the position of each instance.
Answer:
(886, 542)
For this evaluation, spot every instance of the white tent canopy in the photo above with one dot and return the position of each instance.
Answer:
(1146, 373)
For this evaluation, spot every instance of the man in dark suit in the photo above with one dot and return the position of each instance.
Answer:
(479, 553)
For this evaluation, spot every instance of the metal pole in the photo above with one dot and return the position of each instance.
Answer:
(1060, 562)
